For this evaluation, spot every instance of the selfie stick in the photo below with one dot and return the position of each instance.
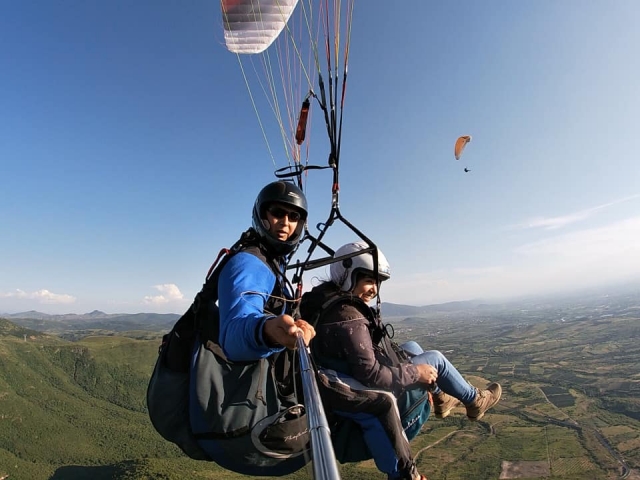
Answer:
(325, 466)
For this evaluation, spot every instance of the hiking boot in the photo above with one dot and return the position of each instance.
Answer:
(485, 399)
(443, 404)
(412, 474)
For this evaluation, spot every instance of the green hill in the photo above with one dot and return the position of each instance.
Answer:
(61, 405)
(76, 410)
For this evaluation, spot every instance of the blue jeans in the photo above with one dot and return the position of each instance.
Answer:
(450, 381)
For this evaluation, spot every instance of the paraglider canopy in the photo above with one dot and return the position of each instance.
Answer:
(250, 26)
(461, 142)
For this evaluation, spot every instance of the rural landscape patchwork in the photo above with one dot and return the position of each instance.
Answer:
(72, 393)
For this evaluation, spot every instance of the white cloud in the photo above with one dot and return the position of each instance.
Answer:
(477, 272)
(40, 296)
(552, 223)
(169, 292)
(438, 286)
(565, 262)
(618, 240)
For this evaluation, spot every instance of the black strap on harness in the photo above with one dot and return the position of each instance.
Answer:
(207, 318)
(179, 342)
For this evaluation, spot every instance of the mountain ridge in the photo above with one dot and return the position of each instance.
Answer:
(93, 315)
(388, 308)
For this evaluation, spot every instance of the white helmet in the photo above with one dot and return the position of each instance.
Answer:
(344, 273)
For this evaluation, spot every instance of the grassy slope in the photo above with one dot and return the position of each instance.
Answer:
(76, 410)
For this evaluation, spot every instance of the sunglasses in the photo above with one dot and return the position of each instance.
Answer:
(280, 213)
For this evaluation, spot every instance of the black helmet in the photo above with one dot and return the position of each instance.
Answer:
(288, 194)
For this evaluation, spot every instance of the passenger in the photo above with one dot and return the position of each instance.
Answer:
(351, 341)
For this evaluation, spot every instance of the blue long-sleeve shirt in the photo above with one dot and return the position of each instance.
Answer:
(244, 288)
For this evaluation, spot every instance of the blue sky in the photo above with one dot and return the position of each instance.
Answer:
(130, 152)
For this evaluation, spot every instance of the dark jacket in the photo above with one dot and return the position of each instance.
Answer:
(350, 339)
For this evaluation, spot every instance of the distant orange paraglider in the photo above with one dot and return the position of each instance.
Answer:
(461, 142)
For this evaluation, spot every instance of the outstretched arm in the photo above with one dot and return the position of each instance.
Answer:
(243, 290)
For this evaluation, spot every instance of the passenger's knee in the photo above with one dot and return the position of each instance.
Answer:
(412, 347)
(438, 354)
